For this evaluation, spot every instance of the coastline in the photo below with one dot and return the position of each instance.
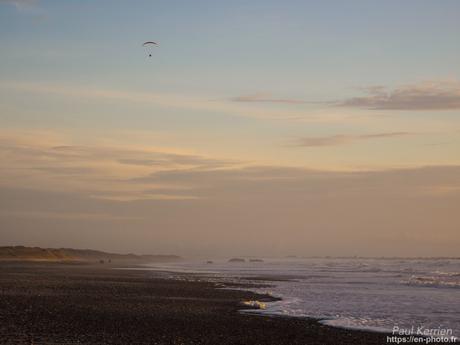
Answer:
(44, 303)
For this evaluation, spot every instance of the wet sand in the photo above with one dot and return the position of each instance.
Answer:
(50, 303)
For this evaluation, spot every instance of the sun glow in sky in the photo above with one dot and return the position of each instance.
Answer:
(269, 127)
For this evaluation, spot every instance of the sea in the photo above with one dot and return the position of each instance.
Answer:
(375, 294)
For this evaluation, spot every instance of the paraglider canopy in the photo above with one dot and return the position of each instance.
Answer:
(149, 45)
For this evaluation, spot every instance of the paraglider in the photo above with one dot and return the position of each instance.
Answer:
(148, 45)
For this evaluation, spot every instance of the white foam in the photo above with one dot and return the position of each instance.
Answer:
(372, 294)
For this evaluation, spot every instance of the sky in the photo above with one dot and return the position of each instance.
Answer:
(265, 128)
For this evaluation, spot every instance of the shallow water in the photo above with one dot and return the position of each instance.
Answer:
(375, 294)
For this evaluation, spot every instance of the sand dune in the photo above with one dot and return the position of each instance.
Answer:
(69, 254)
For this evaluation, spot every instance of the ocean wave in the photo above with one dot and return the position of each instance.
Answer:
(254, 304)
(432, 281)
(450, 274)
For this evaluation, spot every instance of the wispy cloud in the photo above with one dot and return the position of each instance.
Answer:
(75, 216)
(266, 98)
(252, 182)
(341, 139)
(30, 8)
(431, 95)
(163, 202)
(178, 101)
(20, 4)
(104, 171)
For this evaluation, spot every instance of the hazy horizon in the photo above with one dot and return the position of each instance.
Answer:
(265, 128)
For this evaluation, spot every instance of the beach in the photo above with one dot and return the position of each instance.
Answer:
(58, 303)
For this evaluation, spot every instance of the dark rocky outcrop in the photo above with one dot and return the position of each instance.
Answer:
(236, 260)
(256, 260)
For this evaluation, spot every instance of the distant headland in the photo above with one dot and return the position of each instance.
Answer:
(21, 253)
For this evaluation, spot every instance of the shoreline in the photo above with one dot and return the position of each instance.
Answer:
(44, 303)
(243, 286)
